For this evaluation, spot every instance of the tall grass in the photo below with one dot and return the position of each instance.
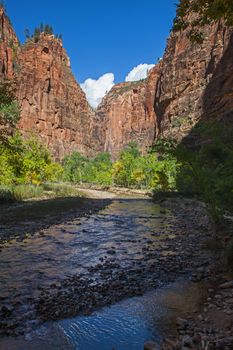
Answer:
(47, 190)
(20, 192)
(61, 190)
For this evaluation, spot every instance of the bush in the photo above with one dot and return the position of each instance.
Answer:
(27, 162)
(132, 169)
(207, 171)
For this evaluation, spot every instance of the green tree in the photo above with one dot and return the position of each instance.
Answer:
(27, 161)
(9, 111)
(74, 167)
(27, 33)
(204, 12)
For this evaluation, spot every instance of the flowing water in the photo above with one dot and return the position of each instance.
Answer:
(121, 234)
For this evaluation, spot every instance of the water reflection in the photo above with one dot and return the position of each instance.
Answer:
(125, 325)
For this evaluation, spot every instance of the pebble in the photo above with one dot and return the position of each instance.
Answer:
(150, 345)
(226, 285)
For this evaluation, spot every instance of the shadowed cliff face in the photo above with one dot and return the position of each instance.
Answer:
(195, 81)
(218, 95)
(217, 98)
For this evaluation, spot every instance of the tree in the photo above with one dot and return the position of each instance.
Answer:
(48, 29)
(9, 111)
(36, 35)
(204, 12)
(27, 33)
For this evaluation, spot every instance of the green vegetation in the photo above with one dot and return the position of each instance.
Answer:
(132, 169)
(207, 170)
(129, 86)
(26, 162)
(19, 192)
(9, 111)
(205, 12)
(47, 190)
(79, 169)
(43, 28)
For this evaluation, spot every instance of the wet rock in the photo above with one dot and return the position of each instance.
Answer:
(226, 285)
(187, 341)
(181, 323)
(111, 251)
(7, 310)
(150, 345)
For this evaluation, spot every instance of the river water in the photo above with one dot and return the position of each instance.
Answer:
(122, 237)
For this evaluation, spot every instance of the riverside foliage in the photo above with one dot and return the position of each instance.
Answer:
(26, 162)
(131, 169)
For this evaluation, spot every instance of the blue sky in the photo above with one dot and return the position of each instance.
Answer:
(101, 36)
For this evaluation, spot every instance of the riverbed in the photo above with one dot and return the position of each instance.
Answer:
(93, 281)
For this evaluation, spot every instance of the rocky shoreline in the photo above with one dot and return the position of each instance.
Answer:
(211, 327)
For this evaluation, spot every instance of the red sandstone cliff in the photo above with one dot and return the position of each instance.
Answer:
(190, 83)
(52, 102)
(195, 81)
(8, 47)
(127, 113)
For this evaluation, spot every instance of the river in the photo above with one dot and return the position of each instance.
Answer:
(96, 282)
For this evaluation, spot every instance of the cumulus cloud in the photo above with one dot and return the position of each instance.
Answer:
(139, 72)
(96, 89)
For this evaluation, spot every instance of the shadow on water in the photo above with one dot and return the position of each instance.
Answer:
(31, 216)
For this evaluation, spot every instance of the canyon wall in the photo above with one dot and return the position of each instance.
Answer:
(52, 103)
(9, 45)
(195, 81)
(127, 113)
(192, 82)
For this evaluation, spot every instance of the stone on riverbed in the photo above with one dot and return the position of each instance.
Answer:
(226, 285)
(150, 345)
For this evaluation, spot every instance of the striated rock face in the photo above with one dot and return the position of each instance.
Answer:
(127, 113)
(52, 103)
(8, 47)
(195, 81)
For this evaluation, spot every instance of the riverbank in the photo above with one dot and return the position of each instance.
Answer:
(210, 325)
(20, 219)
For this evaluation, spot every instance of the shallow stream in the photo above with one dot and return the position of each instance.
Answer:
(121, 238)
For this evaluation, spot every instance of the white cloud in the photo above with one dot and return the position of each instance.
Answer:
(96, 89)
(139, 72)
